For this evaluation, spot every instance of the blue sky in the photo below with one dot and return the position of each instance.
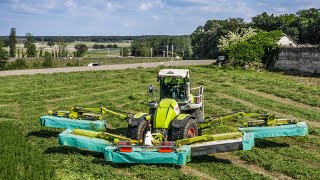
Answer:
(131, 17)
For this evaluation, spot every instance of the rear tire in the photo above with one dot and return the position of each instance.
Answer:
(137, 132)
(190, 130)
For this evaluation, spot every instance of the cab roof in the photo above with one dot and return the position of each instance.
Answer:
(174, 73)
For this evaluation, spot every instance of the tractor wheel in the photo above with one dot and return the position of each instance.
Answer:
(137, 132)
(190, 130)
(198, 116)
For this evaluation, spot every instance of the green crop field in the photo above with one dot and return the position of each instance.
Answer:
(28, 151)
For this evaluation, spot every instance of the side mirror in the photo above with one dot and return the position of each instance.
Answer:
(150, 89)
(201, 90)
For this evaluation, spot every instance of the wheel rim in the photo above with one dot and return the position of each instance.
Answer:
(191, 133)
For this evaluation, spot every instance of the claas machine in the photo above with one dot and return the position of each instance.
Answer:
(171, 132)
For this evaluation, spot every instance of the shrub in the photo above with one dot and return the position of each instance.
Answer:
(18, 64)
(81, 49)
(259, 50)
(124, 52)
(69, 64)
(47, 60)
(36, 65)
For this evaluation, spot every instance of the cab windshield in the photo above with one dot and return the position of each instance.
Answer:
(173, 88)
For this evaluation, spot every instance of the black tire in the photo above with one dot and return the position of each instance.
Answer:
(137, 132)
(188, 131)
(198, 116)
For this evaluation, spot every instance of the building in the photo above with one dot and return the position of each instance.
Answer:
(286, 40)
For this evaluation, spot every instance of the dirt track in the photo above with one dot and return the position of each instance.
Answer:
(106, 67)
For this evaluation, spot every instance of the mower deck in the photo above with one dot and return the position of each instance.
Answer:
(66, 123)
(179, 155)
(299, 129)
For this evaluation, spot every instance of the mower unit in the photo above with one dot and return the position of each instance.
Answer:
(171, 132)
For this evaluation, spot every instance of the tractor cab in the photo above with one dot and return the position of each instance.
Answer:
(175, 84)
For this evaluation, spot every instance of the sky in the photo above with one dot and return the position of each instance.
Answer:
(131, 17)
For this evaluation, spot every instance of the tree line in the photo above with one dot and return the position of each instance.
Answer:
(162, 46)
(32, 51)
(303, 26)
(96, 39)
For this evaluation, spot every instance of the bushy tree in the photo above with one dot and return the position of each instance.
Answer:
(204, 39)
(47, 60)
(258, 50)
(124, 52)
(96, 46)
(81, 49)
(31, 48)
(302, 26)
(12, 42)
(236, 37)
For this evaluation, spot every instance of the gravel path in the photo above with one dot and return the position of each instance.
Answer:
(106, 67)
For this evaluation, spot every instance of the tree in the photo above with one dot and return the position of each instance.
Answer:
(3, 56)
(41, 51)
(31, 48)
(204, 39)
(124, 52)
(81, 49)
(302, 26)
(50, 43)
(96, 46)
(62, 52)
(259, 50)
(12, 42)
(47, 60)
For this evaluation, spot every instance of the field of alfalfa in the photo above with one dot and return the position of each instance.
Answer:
(28, 151)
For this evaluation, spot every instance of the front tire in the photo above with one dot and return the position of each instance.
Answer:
(137, 132)
(190, 130)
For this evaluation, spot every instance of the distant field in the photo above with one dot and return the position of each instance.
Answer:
(103, 53)
(23, 99)
(70, 47)
(90, 44)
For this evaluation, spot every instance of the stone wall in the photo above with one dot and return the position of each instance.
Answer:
(303, 59)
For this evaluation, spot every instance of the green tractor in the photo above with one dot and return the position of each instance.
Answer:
(176, 115)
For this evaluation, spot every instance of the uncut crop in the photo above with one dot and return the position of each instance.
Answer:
(23, 99)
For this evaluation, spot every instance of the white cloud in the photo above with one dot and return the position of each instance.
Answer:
(109, 6)
(32, 7)
(70, 4)
(145, 6)
(155, 17)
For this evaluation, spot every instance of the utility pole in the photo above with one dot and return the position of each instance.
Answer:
(108, 52)
(122, 51)
(172, 51)
(182, 53)
(151, 52)
(167, 51)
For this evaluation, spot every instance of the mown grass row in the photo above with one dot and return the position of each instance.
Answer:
(19, 159)
(271, 83)
(126, 90)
